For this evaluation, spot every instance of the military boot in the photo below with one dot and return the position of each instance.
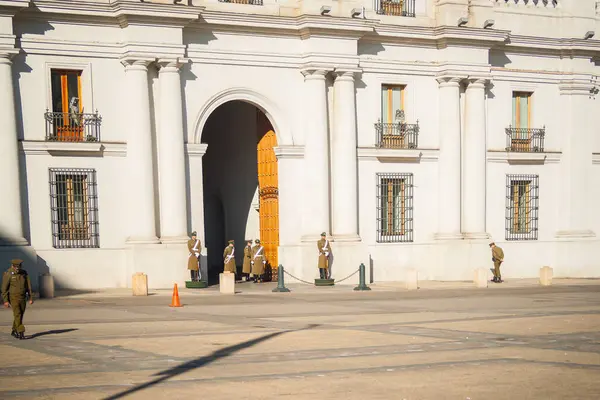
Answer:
(14, 334)
(21, 335)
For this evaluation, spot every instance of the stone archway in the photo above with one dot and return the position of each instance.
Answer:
(238, 135)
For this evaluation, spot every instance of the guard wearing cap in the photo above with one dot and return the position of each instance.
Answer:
(229, 258)
(498, 259)
(324, 254)
(258, 261)
(247, 266)
(194, 257)
(16, 287)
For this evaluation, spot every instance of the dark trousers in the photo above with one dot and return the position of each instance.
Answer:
(497, 270)
(18, 307)
(194, 275)
(323, 273)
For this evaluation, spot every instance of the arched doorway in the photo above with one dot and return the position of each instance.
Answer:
(240, 183)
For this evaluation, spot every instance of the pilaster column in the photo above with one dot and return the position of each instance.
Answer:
(316, 156)
(140, 180)
(449, 206)
(474, 162)
(171, 160)
(11, 223)
(577, 103)
(344, 182)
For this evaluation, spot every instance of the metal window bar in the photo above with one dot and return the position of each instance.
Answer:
(400, 8)
(74, 208)
(71, 127)
(524, 140)
(249, 2)
(397, 135)
(394, 207)
(522, 207)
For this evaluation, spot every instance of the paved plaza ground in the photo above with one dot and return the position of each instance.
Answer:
(444, 341)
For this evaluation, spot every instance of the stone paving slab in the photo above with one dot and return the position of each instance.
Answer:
(446, 343)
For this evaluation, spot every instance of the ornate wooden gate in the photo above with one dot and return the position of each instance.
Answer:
(268, 192)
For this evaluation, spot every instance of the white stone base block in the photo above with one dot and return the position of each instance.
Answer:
(165, 264)
(46, 286)
(139, 284)
(481, 278)
(546, 276)
(412, 279)
(227, 283)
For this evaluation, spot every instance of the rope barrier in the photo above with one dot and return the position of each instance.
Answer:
(312, 284)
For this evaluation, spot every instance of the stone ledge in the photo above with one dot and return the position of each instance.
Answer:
(500, 156)
(410, 155)
(93, 149)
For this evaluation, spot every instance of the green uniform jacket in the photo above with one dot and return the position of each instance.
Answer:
(247, 266)
(15, 285)
(498, 254)
(229, 259)
(192, 258)
(259, 260)
(324, 253)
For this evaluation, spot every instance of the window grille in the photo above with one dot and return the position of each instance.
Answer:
(74, 207)
(394, 208)
(522, 207)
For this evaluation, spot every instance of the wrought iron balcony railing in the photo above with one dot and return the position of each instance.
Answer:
(397, 135)
(401, 8)
(70, 127)
(525, 140)
(249, 2)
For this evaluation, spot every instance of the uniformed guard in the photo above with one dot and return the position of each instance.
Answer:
(194, 257)
(258, 261)
(229, 258)
(16, 287)
(498, 259)
(324, 254)
(247, 266)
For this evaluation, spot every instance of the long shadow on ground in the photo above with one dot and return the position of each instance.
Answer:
(201, 362)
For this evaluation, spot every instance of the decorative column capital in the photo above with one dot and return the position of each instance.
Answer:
(7, 56)
(345, 74)
(136, 63)
(579, 86)
(196, 149)
(171, 64)
(449, 81)
(315, 73)
(477, 82)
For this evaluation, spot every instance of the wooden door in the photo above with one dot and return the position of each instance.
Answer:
(268, 193)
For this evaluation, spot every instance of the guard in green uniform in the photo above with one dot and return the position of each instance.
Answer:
(16, 287)
(247, 266)
(498, 259)
(229, 258)
(324, 254)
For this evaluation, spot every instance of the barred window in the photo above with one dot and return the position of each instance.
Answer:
(74, 206)
(394, 208)
(522, 207)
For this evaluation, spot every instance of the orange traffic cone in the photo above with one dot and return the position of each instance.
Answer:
(175, 301)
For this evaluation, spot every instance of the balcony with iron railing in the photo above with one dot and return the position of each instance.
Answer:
(525, 140)
(400, 8)
(72, 127)
(397, 135)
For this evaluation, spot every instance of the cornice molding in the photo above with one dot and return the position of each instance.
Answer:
(500, 156)
(196, 149)
(289, 152)
(125, 12)
(401, 155)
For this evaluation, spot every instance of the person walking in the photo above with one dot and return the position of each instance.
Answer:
(16, 287)
(498, 259)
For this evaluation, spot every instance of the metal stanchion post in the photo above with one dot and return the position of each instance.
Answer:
(280, 283)
(361, 279)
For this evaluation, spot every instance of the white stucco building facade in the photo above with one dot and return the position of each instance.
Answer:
(412, 132)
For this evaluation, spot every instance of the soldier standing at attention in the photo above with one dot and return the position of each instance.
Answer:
(497, 258)
(229, 258)
(194, 257)
(258, 261)
(16, 286)
(324, 253)
(247, 266)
